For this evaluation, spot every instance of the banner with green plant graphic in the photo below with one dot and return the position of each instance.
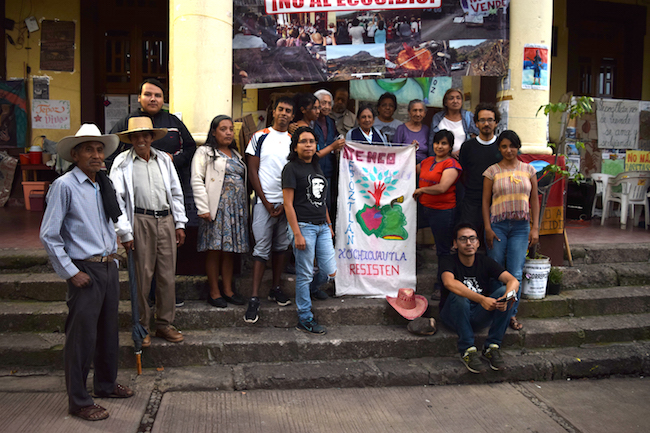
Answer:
(376, 221)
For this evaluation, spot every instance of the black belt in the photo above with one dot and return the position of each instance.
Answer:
(154, 213)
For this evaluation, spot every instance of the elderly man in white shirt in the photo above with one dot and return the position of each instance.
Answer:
(152, 222)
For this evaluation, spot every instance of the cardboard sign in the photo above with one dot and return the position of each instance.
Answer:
(302, 6)
(637, 160)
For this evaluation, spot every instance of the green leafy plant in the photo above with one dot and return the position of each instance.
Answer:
(555, 275)
(569, 108)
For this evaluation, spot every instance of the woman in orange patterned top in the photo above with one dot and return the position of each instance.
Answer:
(510, 207)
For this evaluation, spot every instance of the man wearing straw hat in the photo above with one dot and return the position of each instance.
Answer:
(152, 222)
(467, 302)
(78, 235)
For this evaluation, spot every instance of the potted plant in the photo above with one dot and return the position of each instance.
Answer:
(554, 281)
(568, 108)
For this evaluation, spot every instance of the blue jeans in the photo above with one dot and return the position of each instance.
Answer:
(318, 240)
(465, 317)
(510, 252)
(442, 227)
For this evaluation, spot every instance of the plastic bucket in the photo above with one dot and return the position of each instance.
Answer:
(535, 277)
(36, 156)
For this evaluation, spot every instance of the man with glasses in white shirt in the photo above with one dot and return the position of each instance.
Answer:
(467, 303)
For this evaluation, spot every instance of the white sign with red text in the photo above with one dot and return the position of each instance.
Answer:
(50, 114)
(376, 223)
(301, 6)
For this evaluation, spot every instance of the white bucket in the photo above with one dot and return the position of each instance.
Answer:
(534, 278)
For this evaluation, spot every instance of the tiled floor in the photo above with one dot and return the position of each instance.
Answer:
(591, 232)
(19, 229)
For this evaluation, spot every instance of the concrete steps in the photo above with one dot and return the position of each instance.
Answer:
(598, 325)
(244, 344)
(30, 316)
(49, 287)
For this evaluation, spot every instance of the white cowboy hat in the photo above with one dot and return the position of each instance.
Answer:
(87, 132)
(141, 124)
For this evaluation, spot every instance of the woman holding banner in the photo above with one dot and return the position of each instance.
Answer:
(365, 133)
(437, 190)
(510, 205)
(413, 131)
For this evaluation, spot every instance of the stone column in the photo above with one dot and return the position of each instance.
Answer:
(530, 23)
(200, 62)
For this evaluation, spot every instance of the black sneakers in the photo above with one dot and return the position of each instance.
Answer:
(319, 295)
(493, 355)
(275, 294)
(252, 313)
(472, 360)
(311, 326)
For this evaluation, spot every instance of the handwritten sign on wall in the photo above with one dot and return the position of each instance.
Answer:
(50, 114)
(618, 124)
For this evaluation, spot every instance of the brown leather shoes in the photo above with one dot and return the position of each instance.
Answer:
(170, 333)
(146, 342)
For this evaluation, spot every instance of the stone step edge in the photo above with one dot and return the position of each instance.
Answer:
(14, 258)
(567, 304)
(283, 345)
(29, 286)
(587, 361)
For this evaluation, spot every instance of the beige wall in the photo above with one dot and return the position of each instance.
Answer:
(63, 85)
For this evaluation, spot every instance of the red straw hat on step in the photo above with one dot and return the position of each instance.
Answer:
(408, 304)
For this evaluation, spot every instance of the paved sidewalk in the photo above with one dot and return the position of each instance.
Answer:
(37, 404)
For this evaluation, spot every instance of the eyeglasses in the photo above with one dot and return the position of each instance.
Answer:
(465, 239)
(486, 120)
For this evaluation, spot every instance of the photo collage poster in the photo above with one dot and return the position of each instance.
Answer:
(282, 41)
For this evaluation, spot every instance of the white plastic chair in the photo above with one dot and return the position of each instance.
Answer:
(634, 190)
(600, 180)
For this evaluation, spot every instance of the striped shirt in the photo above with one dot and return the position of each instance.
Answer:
(75, 226)
(510, 191)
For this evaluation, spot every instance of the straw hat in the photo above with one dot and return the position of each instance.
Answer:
(141, 124)
(408, 304)
(87, 132)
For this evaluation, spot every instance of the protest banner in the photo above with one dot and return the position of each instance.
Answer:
(376, 221)
(289, 41)
(637, 160)
(618, 124)
(302, 6)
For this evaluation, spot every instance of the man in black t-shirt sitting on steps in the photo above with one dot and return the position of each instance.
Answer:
(466, 303)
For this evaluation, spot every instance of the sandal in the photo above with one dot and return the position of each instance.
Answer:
(120, 391)
(91, 413)
(515, 324)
